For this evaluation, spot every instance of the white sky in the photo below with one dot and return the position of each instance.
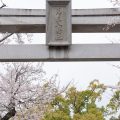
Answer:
(40, 4)
(80, 72)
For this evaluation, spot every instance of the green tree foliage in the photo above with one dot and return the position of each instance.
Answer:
(77, 105)
(113, 106)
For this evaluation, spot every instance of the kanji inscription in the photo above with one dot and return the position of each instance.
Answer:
(59, 24)
(58, 27)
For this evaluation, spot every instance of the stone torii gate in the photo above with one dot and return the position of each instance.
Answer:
(59, 22)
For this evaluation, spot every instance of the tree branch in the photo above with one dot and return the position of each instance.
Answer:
(3, 5)
(10, 114)
(6, 37)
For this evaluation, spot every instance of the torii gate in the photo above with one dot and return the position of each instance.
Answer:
(59, 21)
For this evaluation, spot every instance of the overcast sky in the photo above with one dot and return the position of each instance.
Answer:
(76, 4)
(79, 72)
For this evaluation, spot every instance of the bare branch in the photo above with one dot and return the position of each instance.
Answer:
(3, 5)
(4, 38)
(113, 87)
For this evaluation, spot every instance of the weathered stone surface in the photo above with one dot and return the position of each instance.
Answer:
(83, 20)
(78, 52)
(58, 28)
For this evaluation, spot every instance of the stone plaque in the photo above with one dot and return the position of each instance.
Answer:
(58, 27)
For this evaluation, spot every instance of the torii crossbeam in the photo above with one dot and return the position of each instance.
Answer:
(82, 21)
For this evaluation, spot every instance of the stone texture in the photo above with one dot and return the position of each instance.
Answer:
(58, 28)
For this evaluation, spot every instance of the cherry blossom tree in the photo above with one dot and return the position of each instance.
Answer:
(22, 87)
